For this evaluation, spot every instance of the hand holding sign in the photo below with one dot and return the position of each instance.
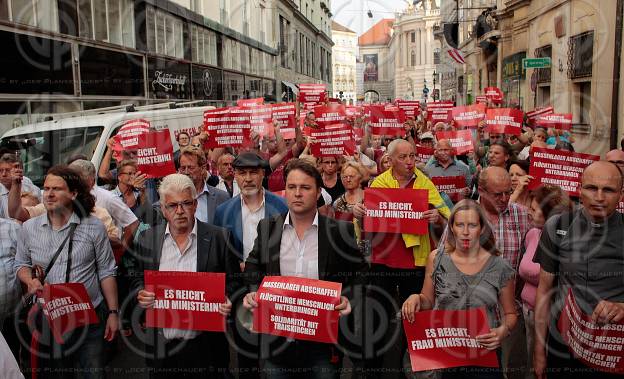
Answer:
(608, 312)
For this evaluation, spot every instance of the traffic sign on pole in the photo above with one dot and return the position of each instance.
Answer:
(536, 63)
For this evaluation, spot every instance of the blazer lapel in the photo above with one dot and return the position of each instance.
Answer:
(324, 246)
(159, 240)
(203, 247)
(276, 227)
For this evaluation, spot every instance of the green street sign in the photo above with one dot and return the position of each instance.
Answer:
(536, 63)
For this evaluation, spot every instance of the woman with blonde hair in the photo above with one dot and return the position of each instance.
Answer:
(468, 271)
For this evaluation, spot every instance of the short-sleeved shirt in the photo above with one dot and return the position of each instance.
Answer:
(434, 169)
(92, 256)
(9, 288)
(587, 257)
(119, 211)
(455, 290)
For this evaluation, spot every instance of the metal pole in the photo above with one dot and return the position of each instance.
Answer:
(615, 99)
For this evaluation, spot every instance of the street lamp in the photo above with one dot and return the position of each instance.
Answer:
(435, 75)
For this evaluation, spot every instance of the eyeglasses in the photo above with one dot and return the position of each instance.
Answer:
(187, 168)
(619, 163)
(499, 195)
(186, 205)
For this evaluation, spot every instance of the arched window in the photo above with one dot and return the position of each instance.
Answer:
(413, 58)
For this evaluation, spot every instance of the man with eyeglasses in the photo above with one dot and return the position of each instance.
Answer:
(184, 244)
(193, 165)
(510, 223)
(241, 216)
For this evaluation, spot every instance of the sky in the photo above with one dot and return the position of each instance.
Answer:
(353, 13)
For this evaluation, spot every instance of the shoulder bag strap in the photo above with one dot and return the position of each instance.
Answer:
(58, 251)
(69, 251)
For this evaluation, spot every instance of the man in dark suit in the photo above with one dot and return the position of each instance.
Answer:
(302, 243)
(185, 244)
(241, 216)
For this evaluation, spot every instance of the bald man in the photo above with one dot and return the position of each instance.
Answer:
(617, 157)
(581, 251)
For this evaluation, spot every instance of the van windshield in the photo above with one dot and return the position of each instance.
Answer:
(54, 147)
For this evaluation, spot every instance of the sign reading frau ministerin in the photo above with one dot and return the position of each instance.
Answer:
(298, 308)
(186, 300)
(504, 121)
(460, 140)
(393, 210)
(155, 154)
(442, 339)
(67, 306)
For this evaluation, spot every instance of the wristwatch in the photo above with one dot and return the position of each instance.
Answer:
(113, 312)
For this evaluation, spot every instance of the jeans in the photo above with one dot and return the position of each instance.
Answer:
(303, 359)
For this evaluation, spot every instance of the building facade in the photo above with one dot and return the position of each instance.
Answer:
(579, 36)
(417, 52)
(377, 62)
(72, 55)
(344, 59)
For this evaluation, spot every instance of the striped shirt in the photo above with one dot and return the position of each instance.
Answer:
(172, 259)
(9, 286)
(4, 202)
(92, 256)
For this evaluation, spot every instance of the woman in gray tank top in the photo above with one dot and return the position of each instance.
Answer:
(468, 271)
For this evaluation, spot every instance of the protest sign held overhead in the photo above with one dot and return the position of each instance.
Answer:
(155, 154)
(298, 308)
(536, 113)
(284, 116)
(334, 140)
(410, 107)
(504, 121)
(186, 300)
(468, 116)
(227, 127)
(559, 168)
(480, 99)
(596, 345)
(439, 111)
(311, 95)
(67, 306)
(423, 154)
(443, 339)
(460, 140)
(555, 120)
(127, 138)
(453, 186)
(331, 114)
(391, 210)
(250, 102)
(494, 94)
(388, 123)
(260, 119)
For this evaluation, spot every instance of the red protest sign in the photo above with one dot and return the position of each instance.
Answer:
(353, 112)
(504, 121)
(373, 108)
(620, 207)
(481, 99)
(423, 154)
(186, 300)
(260, 118)
(67, 306)
(443, 339)
(461, 140)
(227, 127)
(536, 113)
(468, 116)
(128, 135)
(560, 168)
(494, 94)
(312, 93)
(596, 345)
(335, 140)
(284, 115)
(155, 154)
(298, 308)
(410, 107)
(387, 122)
(358, 134)
(331, 114)
(453, 186)
(250, 102)
(392, 210)
(555, 120)
(439, 111)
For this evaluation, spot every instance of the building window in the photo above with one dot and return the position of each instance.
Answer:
(413, 58)
(582, 108)
(544, 74)
(436, 56)
(203, 45)
(107, 20)
(580, 55)
(413, 37)
(284, 37)
(39, 13)
(164, 33)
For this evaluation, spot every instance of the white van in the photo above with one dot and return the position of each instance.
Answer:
(45, 144)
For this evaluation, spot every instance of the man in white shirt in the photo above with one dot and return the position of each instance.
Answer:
(185, 244)
(226, 175)
(304, 244)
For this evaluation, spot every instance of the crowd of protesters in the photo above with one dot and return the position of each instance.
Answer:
(514, 251)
